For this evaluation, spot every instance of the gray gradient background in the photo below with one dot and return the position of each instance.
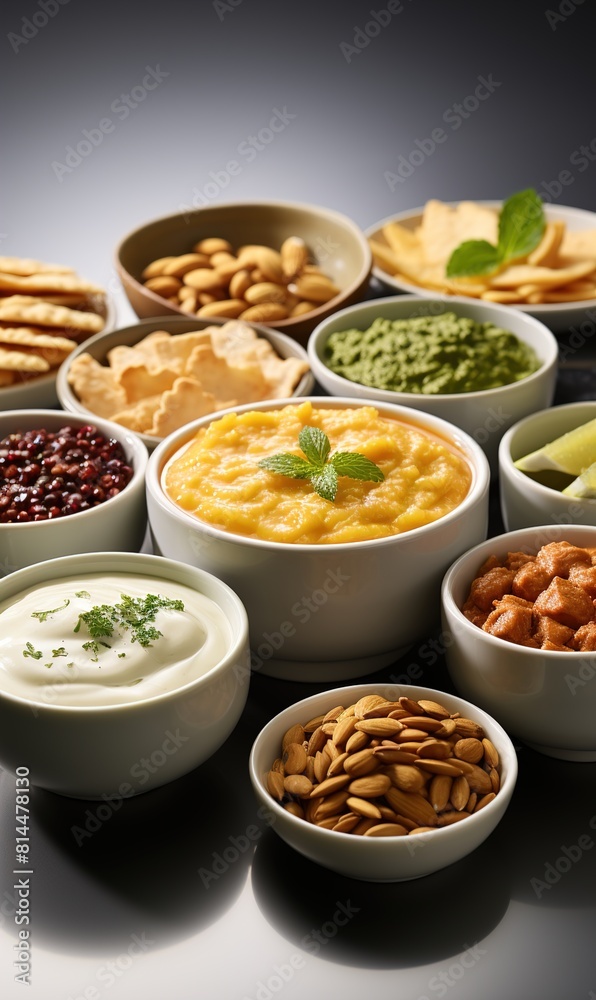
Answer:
(353, 119)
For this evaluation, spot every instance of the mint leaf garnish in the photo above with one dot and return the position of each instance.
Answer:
(521, 227)
(323, 472)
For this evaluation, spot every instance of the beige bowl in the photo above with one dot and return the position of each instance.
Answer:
(336, 244)
(99, 346)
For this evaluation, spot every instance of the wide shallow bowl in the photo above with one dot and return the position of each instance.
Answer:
(330, 611)
(558, 317)
(486, 414)
(336, 244)
(42, 391)
(119, 750)
(118, 524)
(99, 346)
(524, 501)
(380, 859)
(544, 697)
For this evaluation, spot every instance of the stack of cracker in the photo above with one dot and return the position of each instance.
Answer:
(45, 310)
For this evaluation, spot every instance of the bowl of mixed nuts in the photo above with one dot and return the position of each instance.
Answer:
(383, 782)
(283, 264)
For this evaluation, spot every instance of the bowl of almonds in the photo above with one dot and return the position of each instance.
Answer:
(284, 264)
(383, 782)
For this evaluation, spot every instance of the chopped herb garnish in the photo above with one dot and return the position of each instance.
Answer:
(82, 593)
(35, 654)
(323, 472)
(132, 613)
(43, 615)
(61, 651)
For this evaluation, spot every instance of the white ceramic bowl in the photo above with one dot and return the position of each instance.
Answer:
(332, 611)
(119, 523)
(124, 749)
(380, 859)
(544, 697)
(42, 391)
(558, 317)
(524, 501)
(99, 346)
(485, 415)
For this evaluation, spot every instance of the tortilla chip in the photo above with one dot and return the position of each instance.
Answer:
(139, 418)
(139, 383)
(444, 227)
(543, 277)
(185, 401)
(96, 386)
(547, 251)
(224, 378)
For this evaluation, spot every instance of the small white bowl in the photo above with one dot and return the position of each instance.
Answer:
(380, 859)
(86, 751)
(486, 414)
(99, 346)
(544, 697)
(42, 391)
(558, 317)
(525, 502)
(331, 611)
(119, 523)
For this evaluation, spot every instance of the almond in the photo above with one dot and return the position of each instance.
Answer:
(294, 256)
(211, 245)
(337, 766)
(439, 767)
(344, 729)
(275, 785)
(295, 734)
(266, 312)
(295, 808)
(315, 287)
(447, 818)
(357, 741)
(363, 807)
(330, 785)
(386, 830)
(490, 753)
(317, 741)
(178, 266)
(164, 285)
(329, 805)
(156, 267)
(481, 803)
(460, 793)
(478, 780)
(347, 822)
(361, 763)
(239, 282)
(267, 260)
(469, 749)
(439, 791)
(366, 703)
(465, 727)
(298, 784)
(422, 722)
(370, 786)
(204, 279)
(433, 709)
(406, 777)
(227, 309)
(435, 750)
(265, 291)
(412, 707)
(379, 727)
(413, 805)
(301, 308)
(294, 758)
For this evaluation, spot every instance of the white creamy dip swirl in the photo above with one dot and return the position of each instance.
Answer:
(43, 658)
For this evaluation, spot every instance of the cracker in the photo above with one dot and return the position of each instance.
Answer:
(24, 309)
(444, 227)
(139, 383)
(29, 336)
(24, 266)
(185, 401)
(21, 361)
(245, 383)
(139, 417)
(96, 386)
(547, 251)
(48, 282)
(543, 277)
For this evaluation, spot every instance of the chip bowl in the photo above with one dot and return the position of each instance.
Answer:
(329, 611)
(114, 751)
(380, 859)
(336, 244)
(100, 345)
(485, 415)
(558, 317)
(119, 523)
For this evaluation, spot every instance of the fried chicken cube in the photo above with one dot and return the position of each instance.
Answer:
(557, 558)
(584, 639)
(491, 587)
(512, 620)
(550, 634)
(529, 581)
(474, 614)
(566, 603)
(584, 577)
(515, 560)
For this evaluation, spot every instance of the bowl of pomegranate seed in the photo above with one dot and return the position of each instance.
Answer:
(68, 485)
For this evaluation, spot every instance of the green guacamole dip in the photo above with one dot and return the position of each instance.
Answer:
(430, 355)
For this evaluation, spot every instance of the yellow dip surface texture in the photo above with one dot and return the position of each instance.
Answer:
(217, 478)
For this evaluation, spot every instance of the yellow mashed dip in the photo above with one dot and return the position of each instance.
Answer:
(218, 480)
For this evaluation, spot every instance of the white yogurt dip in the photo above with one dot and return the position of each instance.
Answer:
(107, 639)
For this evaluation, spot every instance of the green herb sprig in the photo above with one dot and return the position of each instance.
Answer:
(322, 471)
(132, 613)
(521, 227)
